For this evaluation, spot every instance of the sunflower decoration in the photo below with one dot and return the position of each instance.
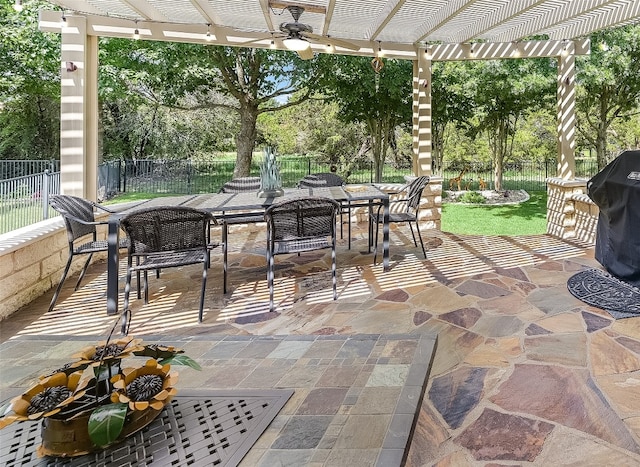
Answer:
(107, 351)
(149, 386)
(116, 401)
(67, 369)
(46, 398)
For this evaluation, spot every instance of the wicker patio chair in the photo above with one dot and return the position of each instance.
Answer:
(237, 185)
(328, 179)
(320, 179)
(79, 219)
(299, 225)
(165, 237)
(408, 215)
(241, 185)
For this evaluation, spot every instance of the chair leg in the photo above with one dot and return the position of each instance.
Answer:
(424, 252)
(138, 277)
(84, 269)
(125, 309)
(59, 288)
(270, 273)
(349, 223)
(225, 237)
(375, 243)
(146, 287)
(204, 286)
(126, 321)
(334, 278)
(415, 243)
(370, 234)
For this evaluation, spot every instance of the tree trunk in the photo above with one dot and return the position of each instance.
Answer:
(601, 133)
(245, 141)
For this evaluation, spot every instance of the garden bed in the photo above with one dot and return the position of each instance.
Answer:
(491, 197)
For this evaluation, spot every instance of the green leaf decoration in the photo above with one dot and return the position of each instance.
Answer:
(182, 360)
(106, 422)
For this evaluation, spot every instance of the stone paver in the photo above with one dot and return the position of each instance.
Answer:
(523, 373)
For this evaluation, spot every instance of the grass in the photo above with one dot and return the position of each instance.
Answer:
(137, 196)
(528, 218)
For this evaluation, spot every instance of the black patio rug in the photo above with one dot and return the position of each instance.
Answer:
(198, 428)
(600, 289)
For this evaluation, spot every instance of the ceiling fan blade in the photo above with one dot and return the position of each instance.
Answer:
(332, 41)
(306, 54)
(253, 41)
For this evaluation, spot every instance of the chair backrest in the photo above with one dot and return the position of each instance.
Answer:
(320, 179)
(302, 218)
(241, 184)
(414, 192)
(71, 208)
(166, 228)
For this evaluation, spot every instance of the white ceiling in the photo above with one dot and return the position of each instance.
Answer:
(388, 24)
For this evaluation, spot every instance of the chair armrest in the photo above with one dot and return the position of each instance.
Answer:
(82, 221)
(102, 208)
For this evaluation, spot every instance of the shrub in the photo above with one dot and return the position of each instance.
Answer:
(472, 197)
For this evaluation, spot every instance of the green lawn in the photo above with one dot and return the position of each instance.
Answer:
(528, 218)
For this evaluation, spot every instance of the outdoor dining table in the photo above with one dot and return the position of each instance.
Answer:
(230, 203)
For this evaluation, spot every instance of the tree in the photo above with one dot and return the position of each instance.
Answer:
(380, 103)
(608, 85)
(506, 91)
(246, 81)
(29, 85)
(451, 103)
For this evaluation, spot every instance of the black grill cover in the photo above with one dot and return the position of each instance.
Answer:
(616, 191)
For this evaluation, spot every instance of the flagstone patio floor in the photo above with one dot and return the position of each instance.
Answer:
(523, 372)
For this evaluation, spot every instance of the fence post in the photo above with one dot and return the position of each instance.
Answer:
(45, 194)
(124, 178)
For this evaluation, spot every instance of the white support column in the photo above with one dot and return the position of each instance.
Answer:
(78, 109)
(422, 113)
(566, 112)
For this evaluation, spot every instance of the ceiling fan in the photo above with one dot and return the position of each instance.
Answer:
(296, 36)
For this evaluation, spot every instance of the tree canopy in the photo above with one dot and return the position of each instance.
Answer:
(609, 85)
(176, 100)
(381, 102)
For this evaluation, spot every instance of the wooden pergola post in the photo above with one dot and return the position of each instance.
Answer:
(78, 109)
(422, 113)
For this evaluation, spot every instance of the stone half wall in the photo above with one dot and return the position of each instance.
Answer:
(32, 260)
(570, 212)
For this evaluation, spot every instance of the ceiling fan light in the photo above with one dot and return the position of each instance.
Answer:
(296, 43)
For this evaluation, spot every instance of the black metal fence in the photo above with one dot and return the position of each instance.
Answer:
(21, 168)
(24, 199)
(188, 176)
(528, 175)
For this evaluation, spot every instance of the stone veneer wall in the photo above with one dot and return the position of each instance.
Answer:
(570, 212)
(32, 260)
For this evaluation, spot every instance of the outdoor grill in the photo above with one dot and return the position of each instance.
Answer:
(616, 191)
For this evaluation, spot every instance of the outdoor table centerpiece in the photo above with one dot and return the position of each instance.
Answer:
(270, 178)
(95, 401)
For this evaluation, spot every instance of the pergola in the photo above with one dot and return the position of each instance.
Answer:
(417, 30)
